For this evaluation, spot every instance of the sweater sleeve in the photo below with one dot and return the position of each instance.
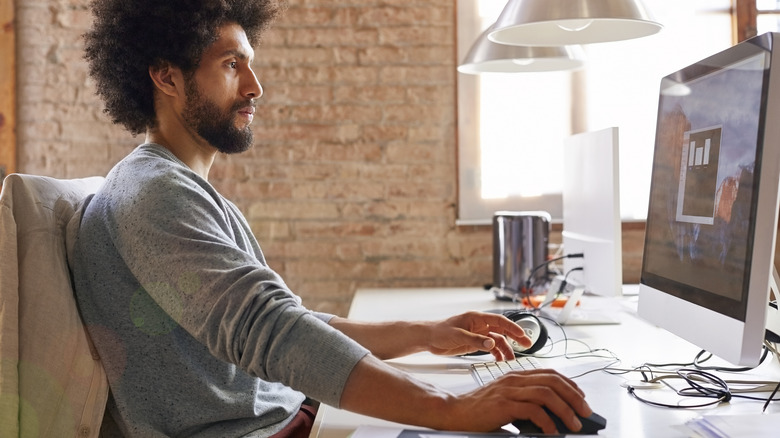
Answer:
(188, 250)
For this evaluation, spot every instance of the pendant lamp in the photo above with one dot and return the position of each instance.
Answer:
(568, 22)
(486, 56)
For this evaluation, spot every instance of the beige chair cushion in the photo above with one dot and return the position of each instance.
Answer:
(51, 382)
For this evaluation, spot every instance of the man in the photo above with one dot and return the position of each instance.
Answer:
(199, 337)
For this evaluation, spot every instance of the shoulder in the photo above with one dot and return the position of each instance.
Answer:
(150, 180)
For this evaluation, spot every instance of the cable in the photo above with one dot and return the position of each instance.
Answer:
(600, 353)
(558, 293)
(771, 396)
(773, 348)
(547, 262)
(527, 290)
(698, 363)
(701, 384)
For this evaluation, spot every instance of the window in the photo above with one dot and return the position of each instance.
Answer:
(512, 126)
(768, 16)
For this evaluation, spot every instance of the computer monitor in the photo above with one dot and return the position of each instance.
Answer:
(712, 217)
(591, 212)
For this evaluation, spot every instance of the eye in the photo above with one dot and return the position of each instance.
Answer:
(233, 64)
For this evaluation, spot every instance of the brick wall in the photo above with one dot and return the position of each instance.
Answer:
(352, 182)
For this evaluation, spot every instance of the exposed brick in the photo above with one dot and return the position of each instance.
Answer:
(33, 14)
(378, 94)
(274, 37)
(265, 190)
(292, 210)
(323, 250)
(403, 247)
(377, 210)
(349, 190)
(419, 228)
(384, 132)
(406, 14)
(416, 35)
(429, 55)
(284, 56)
(402, 152)
(355, 75)
(430, 172)
(416, 114)
(336, 113)
(308, 131)
(328, 37)
(344, 55)
(417, 269)
(422, 190)
(428, 132)
(470, 246)
(436, 94)
(74, 18)
(339, 229)
(329, 269)
(270, 230)
(380, 55)
(300, 16)
(298, 94)
(418, 75)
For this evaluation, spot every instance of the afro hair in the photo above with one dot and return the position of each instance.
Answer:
(129, 36)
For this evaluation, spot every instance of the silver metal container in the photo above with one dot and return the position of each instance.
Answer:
(520, 245)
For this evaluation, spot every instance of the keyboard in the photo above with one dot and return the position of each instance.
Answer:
(484, 372)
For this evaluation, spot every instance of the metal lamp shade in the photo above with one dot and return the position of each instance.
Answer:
(567, 22)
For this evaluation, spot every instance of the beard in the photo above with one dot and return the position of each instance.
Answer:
(215, 126)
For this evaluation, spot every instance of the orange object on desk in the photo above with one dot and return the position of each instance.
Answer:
(537, 300)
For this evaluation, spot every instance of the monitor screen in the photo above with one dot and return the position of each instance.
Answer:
(712, 215)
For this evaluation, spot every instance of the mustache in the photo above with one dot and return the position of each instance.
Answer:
(243, 104)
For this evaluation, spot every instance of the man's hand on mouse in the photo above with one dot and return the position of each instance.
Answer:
(521, 396)
(475, 331)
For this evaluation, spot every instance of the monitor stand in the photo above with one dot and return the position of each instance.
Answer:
(571, 313)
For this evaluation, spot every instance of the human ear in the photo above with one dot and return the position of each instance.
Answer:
(167, 79)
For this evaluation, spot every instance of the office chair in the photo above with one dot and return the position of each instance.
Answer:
(52, 383)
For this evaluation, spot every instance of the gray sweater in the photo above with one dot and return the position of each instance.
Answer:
(199, 337)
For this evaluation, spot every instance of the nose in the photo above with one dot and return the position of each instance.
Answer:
(252, 88)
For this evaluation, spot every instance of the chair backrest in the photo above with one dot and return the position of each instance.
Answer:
(51, 381)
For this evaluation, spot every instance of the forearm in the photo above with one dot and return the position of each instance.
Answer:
(376, 389)
(379, 390)
(386, 340)
(459, 334)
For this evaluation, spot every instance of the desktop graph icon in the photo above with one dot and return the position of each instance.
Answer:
(698, 187)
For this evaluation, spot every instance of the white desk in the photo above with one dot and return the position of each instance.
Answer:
(633, 341)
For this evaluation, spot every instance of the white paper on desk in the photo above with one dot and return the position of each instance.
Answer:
(376, 432)
(396, 432)
(736, 426)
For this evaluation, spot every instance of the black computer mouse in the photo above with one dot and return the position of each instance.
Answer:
(590, 425)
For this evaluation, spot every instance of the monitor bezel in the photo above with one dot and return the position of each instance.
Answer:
(736, 337)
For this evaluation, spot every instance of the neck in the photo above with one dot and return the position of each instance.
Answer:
(197, 155)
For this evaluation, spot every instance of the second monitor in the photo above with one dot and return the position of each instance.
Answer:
(591, 212)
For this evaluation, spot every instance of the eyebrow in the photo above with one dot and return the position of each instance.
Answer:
(237, 53)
